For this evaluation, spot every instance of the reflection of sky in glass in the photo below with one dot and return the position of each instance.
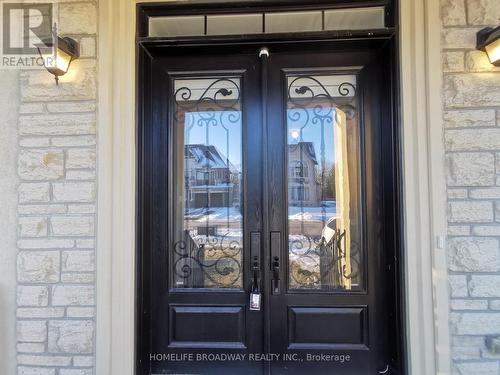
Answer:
(224, 132)
(309, 121)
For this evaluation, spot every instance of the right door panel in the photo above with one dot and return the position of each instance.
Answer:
(326, 245)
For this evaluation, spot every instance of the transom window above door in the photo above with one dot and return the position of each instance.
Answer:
(269, 22)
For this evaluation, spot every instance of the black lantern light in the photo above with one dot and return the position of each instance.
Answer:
(58, 53)
(488, 40)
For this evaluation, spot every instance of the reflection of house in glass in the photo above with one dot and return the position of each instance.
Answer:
(210, 178)
(303, 186)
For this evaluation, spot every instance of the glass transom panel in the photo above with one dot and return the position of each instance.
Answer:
(365, 18)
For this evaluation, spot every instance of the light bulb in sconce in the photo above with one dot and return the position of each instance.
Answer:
(57, 54)
(488, 40)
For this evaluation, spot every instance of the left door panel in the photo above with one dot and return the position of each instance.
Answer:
(201, 216)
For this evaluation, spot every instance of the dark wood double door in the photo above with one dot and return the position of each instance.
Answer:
(266, 182)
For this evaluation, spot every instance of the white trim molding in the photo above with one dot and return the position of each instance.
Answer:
(427, 300)
(424, 190)
(115, 338)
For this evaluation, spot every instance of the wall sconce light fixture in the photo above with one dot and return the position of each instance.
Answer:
(58, 53)
(488, 40)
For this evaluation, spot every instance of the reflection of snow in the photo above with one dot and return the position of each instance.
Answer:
(219, 214)
(229, 236)
(213, 214)
(311, 213)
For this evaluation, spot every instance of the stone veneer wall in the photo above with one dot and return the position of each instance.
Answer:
(56, 208)
(471, 101)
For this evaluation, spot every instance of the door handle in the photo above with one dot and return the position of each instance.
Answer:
(255, 261)
(275, 262)
(255, 297)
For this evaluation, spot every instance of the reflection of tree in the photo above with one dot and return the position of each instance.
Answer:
(328, 186)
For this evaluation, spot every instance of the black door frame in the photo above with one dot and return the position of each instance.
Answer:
(394, 213)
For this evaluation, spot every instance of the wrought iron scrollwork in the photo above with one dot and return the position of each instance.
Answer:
(302, 94)
(213, 97)
(207, 262)
(318, 263)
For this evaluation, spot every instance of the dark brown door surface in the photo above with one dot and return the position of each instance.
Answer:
(325, 206)
(261, 175)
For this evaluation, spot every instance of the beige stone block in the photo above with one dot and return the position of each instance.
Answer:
(23, 370)
(457, 193)
(453, 12)
(76, 141)
(30, 108)
(472, 139)
(71, 107)
(44, 360)
(73, 191)
(81, 209)
(34, 192)
(485, 193)
(28, 347)
(458, 230)
(72, 226)
(83, 361)
(458, 285)
(453, 61)
(470, 169)
(41, 164)
(40, 312)
(78, 277)
(486, 230)
(32, 226)
(78, 158)
(478, 368)
(41, 209)
(484, 286)
(468, 304)
(470, 212)
(473, 254)
(45, 243)
(80, 312)
(38, 266)
(34, 142)
(71, 336)
(77, 18)
(79, 175)
(78, 261)
(471, 90)
(32, 295)
(87, 47)
(85, 243)
(31, 330)
(471, 118)
(483, 12)
(463, 353)
(69, 295)
(458, 38)
(77, 84)
(70, 124)
(475, 323)
(74, 371)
